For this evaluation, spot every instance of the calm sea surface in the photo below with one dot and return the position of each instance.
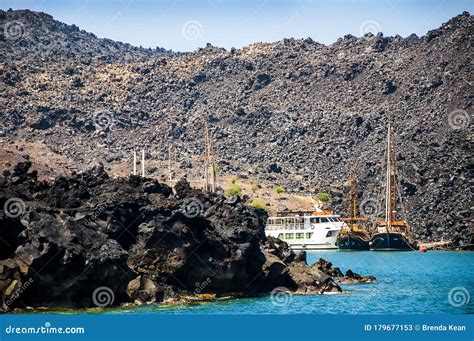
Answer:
(407, 283)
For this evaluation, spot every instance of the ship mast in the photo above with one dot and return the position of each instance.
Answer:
(210, 166)
(355, 202)
(352, 197)
(214, 165)
(394, 182)
(388, 188)
(206, 157)
(391, 185)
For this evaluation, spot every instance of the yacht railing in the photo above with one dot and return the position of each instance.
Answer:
(296, 226)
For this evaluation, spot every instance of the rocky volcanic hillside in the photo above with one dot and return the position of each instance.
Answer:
(28, 34)
(295, 112)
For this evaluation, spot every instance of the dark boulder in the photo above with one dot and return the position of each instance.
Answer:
(274, 168)
(261, 81)
(326, 267)
(351, 277)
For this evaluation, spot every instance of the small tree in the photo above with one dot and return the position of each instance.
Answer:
(235, 189)
(279, 189)
(324, 198)
(258, 203)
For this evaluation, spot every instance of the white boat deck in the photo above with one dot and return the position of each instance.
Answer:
(306, 232)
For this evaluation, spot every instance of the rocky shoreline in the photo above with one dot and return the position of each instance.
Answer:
(93, 241)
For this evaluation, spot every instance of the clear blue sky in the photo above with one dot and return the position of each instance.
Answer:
(186, 25)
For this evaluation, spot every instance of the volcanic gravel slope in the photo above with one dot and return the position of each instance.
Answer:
(294, 112)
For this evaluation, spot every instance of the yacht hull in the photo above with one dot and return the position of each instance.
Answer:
(312, 247)
(390, 241)
(318, 242)
(352, 243)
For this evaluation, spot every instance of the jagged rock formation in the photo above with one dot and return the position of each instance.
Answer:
(349, 277)
(31, 35)
(135, 240)
(294, 112)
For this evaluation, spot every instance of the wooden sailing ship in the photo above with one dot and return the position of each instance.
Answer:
(393, 233)
(355, 236)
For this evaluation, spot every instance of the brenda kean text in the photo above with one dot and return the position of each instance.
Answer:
(416, 327)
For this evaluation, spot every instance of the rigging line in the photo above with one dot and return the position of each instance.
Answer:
(380, 193)
(402, 203)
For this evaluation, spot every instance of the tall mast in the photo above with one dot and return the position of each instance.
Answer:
(134, 162)
(352, 197)
(394, 182)
(169, 164)
(214, 170)
(355, 203)
(206, 156)
(388, 188)
(175, 160)
(143, 162)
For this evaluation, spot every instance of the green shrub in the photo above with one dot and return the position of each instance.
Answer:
(324, 197)
(258, 203)
(279, 189)
(234, 190)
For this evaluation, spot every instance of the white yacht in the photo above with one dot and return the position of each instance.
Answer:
(306, 230)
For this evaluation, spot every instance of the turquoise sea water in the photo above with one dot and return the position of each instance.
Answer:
(407, 283)
(435, 282)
